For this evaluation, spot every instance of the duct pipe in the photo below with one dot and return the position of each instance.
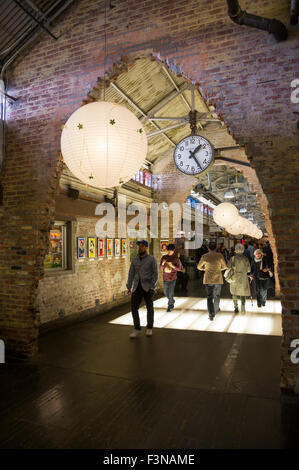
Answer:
(294, 12)
(274, 27)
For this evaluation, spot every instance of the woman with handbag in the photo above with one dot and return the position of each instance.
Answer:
(237, 277)
(261, 273)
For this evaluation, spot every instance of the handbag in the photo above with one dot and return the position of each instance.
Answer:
(230, 274)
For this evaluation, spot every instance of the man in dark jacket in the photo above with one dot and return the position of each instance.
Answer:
(142, 279)
(170, 264)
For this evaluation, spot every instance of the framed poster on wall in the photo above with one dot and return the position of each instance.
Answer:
(101, 247)
(124, 247)
(91, 248)
(117, 248)
(163, 246)
(109, 247)
(81, 247)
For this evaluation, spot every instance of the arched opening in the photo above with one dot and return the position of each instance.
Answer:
(158, 93)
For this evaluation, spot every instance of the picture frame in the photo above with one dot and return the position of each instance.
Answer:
(124, 247)
(91, 248)
(164, 246)
(81, 247)
(109, 248)
(101, 248)
(117, 247)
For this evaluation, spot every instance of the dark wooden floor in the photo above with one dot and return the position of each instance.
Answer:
(92, 387)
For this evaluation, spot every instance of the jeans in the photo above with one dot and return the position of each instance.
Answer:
(213, 297)
(136, 299)
(168, 287)
(235, 299)
(261, 288)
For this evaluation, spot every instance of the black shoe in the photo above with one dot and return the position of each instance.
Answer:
(264, 304)
(236, 310)
(168, 309)
(259, 305)
(211, 317)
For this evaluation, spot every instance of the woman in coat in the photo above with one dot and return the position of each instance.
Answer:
(261, 274)
(240, 266)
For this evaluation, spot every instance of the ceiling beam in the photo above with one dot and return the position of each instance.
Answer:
(131, 102)
(176, 87)
(164, 101)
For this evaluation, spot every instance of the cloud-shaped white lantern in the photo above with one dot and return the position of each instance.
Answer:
(225, 214)
(237, 227)
(103, 144)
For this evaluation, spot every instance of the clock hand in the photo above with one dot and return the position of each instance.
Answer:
(192, 155)
(195, 150)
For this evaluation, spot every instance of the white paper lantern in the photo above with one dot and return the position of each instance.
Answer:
(237, 227)
(103, 144)
(225, 214)
(249, 227)
(259, 234)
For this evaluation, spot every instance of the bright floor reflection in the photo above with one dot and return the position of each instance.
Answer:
(190, 313)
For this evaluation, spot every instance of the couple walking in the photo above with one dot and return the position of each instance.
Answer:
(238, 271)
(142, 280)
(213, 263)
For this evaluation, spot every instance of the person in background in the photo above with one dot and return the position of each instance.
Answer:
(251, 250)
(212, 264)
(268, 253)
(183, 278)
(170, 264)
(240, 288)
(142, 279)
(232, 252)
(247, 252)
(224, 252)
(200, 252)
(270, 262)
(260, 274)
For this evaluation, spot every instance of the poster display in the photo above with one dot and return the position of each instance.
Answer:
(81, 247)
(101, 247)
(163, 246)
(124, 247)
(109, 247)
(91, 248)
(117, 248)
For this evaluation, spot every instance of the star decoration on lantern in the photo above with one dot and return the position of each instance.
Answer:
(63, 127)
(80, 126)
(139, 130)
(90, 177)
(112, 121)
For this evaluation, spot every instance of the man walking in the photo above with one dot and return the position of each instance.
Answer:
(170, 264)
(212, 263)
(142, 279)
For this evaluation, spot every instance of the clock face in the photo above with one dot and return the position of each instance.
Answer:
(193, 155)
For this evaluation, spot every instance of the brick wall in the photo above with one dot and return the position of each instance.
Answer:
(76, 290)
(242, 71)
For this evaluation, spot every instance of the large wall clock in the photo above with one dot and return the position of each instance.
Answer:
(194, 155)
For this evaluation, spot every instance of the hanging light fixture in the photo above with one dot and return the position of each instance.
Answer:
(237, 227)
(103, 144)
(229, 195)
(225, 214)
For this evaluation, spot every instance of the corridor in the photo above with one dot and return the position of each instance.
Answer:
(90, 386)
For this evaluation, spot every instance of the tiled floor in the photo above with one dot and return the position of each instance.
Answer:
(190, 313)
(90, 386)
